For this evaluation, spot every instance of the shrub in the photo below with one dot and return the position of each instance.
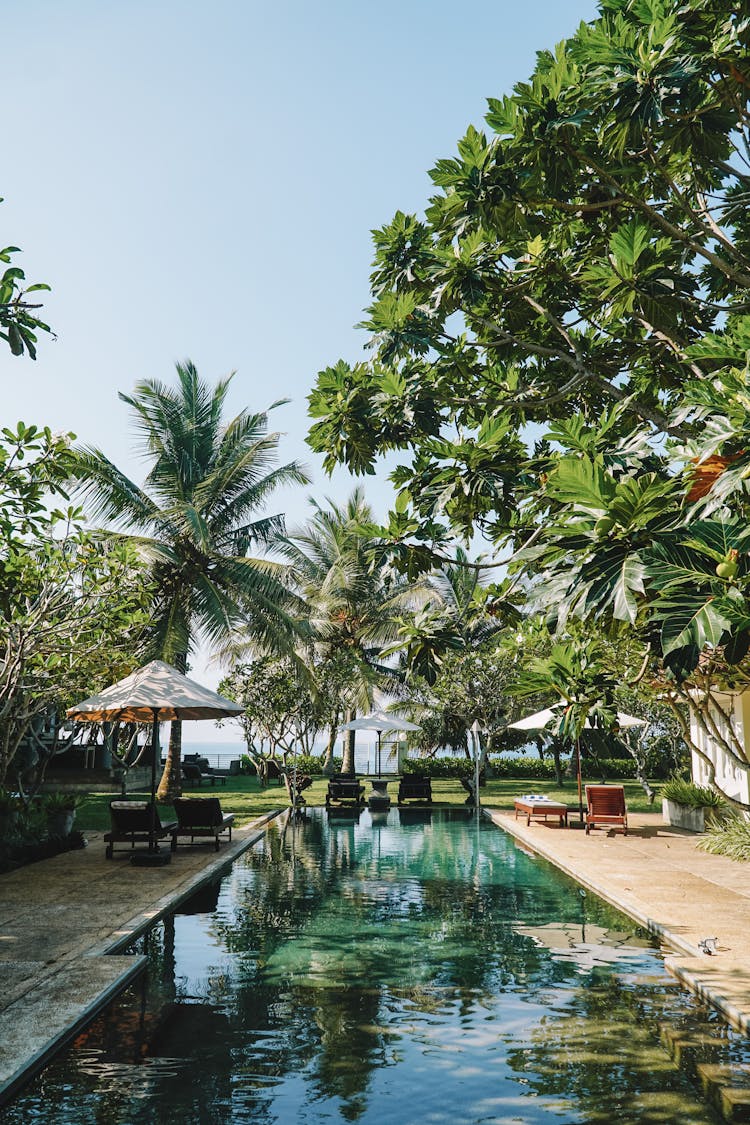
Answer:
(62, 802)
(694, 796)
(730, 837)
(532, 768)
(439, 767)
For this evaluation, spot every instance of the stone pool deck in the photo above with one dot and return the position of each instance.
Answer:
(657, 875)
(58, 921)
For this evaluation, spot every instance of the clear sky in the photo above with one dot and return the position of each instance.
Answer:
(200, 180)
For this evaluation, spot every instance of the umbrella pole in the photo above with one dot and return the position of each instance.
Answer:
(154, 751)
(580, 791)
(152, 857)
(378, 753)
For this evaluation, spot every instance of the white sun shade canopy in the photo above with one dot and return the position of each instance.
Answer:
(542, 719)
(155, 691)
(379, 721)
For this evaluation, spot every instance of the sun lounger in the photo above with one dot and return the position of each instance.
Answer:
(415, 787)
(131, 823)
(196, 774)
(344, 789)
(605, 804)
(201, 818)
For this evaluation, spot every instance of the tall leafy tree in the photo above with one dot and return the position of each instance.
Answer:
(574, 256)
(196, 518)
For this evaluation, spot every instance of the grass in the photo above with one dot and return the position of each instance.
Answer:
(247, 800)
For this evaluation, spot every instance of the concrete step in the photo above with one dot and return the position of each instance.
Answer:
(688, 1047)
(727, 1087)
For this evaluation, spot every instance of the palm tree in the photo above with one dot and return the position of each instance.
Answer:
(458, 613)
(193, 520)
(352, 600)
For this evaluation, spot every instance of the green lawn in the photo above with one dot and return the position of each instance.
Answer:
(244, 797)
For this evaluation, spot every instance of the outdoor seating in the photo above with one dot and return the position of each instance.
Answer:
(201, 818)
(196, 772)
(344, 789)
(605, 804)
(131, 823)
(415, 787)
(272, 771)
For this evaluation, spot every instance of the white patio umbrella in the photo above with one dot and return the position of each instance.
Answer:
(542, 720)
(155, 693)
(381, 724)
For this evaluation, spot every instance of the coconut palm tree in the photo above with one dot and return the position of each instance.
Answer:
(196, 518)
(352, 599)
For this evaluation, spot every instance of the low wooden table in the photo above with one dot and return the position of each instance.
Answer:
(538, 809)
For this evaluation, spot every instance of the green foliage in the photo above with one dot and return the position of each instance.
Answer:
(19, 322)
(194, 519)
(730, 837)
(63, 802)
(694, 796)
(439, 767)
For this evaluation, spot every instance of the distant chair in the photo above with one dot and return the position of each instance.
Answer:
(268, 769)
(196, 773)
(415, 787)
(605, 804)
(343, 789)
(130, 822)
(201, 818)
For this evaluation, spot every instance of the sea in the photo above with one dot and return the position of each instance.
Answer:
(220, 754)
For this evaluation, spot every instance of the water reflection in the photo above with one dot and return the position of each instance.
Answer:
(418, 966)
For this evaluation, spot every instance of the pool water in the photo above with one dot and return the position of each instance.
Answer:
(402, 967)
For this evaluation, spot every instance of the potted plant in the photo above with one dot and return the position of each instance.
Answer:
(687, 805)
(61, 812)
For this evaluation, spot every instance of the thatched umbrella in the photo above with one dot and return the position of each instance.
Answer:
(154, 694)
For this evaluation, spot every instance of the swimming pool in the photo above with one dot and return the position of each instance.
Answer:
(401, 967)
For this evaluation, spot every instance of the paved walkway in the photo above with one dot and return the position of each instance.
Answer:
(58, 919)
(657, 875)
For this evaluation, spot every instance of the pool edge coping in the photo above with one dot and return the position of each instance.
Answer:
(734, 1015)
(136, 964)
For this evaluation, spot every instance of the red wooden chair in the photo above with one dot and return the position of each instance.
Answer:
(605, 804)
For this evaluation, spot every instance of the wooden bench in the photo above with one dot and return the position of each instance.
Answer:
(534, 809)
(131, 823)
(201, 818)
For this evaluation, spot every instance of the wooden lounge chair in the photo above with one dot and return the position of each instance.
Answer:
(605, 804)
(196, 774)
(131, 822)
(344, 789)
(415, 787)
(202, 818)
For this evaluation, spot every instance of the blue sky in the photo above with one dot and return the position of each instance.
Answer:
(201, 180)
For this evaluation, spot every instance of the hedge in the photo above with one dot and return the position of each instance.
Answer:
(530, 768)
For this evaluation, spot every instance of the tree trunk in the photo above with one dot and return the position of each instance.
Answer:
(327, 767)
(170, 785)
(347, 766)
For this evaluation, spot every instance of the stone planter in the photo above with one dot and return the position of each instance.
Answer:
(683, 816)
(8, 822)
(61, 823)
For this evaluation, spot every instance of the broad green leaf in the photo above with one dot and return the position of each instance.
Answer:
(629, 242)
(582, 483)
